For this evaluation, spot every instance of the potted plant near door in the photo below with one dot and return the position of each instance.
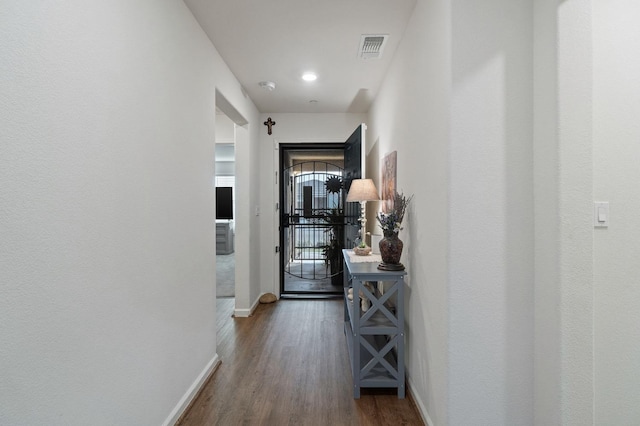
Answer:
(332, 251)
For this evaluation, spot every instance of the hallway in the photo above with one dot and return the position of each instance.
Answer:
(288, 365)
(510, 122)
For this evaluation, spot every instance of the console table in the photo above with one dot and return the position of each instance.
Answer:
(375, 338)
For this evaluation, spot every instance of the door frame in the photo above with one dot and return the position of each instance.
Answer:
(276, 196)
(242, 220)
(280, 197)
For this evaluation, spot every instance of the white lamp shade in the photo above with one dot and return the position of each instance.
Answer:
(362, 190)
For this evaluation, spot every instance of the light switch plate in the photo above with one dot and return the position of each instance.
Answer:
(601, 214)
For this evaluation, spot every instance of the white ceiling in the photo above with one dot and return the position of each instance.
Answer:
(278, 40)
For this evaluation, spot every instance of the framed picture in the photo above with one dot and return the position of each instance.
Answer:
(388, 178)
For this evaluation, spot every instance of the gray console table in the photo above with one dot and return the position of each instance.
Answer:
(375, 338)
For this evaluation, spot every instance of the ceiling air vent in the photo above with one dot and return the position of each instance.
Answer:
(371, 46)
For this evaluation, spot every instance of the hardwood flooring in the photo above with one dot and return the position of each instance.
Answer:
(288, 365)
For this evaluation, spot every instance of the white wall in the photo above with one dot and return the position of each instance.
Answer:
(616, 82)
(225, 129)
(547, 351)
(563, 213)
(247, 235)
(410, 115)
(459, 114)
(491, 214)
(225, 146)
(289, 128)
(107, 294)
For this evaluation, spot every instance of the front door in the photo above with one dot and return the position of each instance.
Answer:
(353, 169)
(316, 222)
(312, 219)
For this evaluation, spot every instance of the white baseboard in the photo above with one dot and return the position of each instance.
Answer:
(243, 313)
(419, 404)
(193, 390)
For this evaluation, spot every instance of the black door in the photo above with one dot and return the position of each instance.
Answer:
(311, 218)
(352, 170)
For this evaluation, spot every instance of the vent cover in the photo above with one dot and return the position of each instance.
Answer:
(371, 46)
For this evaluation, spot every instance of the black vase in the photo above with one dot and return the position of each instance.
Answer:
(390, 251)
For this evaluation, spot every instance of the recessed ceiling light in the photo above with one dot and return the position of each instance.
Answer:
(313, 101)
(309, 76)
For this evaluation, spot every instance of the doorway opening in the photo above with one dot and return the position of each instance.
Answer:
(225, 205)
(315, 222)
(312, 219)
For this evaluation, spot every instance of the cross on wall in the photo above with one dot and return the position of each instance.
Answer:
(269, 123)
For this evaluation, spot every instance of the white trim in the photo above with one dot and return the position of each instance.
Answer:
(276, 219)
(419, 404)
(193, 390)
(244, 313)
(226, 141)
(305, 140)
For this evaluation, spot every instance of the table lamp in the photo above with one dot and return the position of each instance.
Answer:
(362, 190)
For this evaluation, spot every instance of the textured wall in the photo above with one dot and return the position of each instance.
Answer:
(411, 116)
(457, 106)
(107, 310)
(575, 195)
(616, 176)
(547, 352)
(563, 213)
(491, 214)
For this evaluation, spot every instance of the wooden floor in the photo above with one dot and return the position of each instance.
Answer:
(288, 365)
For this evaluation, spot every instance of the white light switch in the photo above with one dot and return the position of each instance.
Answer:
(601, 214)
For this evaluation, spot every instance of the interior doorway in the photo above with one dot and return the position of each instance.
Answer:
(225, 205)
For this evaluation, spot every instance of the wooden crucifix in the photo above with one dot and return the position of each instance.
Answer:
(269, 123)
